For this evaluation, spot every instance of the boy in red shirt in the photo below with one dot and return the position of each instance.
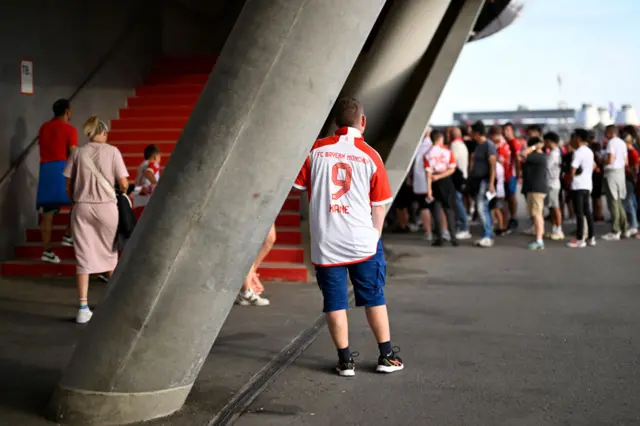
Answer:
(57, 139)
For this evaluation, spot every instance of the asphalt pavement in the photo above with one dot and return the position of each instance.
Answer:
(499, 336)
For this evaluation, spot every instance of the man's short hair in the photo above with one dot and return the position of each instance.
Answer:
(495, 130)
(582, 134)
(348, 112)
(533, 141)
(151, 151)
(507, 124)
(435, 135)
(479, 128)
(611, 128)
(60, 107)
(552, 137)
(534, 128)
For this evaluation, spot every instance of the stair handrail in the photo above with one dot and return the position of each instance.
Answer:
(130, 25)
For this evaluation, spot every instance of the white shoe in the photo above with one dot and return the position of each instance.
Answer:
(630, 232)
(50, 257)
(463, 235)
(557, 236)
(530, 231)
(591, 242)
(67, 241)
(611, 236)
(576, 244)
(84, 315)
(485, 242)
(250, 298)
(413, 227)
(428, 236)
(446, 236)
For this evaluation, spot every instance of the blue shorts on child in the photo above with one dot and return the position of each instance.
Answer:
(368, 279)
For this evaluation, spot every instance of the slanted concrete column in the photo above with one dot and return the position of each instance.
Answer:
(269, 94)
(382, 72)
(429, 79)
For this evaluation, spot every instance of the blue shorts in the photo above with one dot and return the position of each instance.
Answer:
(368, 278)
(511, 186)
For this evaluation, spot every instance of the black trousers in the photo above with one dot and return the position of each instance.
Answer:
(444, 197)
(581, 206)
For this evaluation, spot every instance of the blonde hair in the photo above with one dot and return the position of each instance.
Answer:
(94, 127)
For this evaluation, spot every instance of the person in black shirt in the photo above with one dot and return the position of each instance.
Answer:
(536, 187)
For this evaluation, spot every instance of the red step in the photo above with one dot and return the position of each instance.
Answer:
(178, 79)
(36, 268)
(284, 236)
(138, 147)
(163, 101)
(286, 219)
(149, 123)
(151, 135)
(279, 253)
(170, 90)
(156, 112)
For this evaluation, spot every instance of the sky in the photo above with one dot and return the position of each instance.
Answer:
(591, 44)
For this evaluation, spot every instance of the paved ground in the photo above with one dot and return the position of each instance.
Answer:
(490, 337)
(38, 333)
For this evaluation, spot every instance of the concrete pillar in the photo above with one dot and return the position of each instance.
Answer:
(381, 74)
(275, 82)
(428, 81)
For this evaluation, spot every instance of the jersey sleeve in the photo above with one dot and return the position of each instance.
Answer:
(154, 167)
(426, 164)
(73, 138)
(302, 181)
(452, 160)
(380, 190)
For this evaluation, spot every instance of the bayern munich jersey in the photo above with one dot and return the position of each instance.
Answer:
(345, 177)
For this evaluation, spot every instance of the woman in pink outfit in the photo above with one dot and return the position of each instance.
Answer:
(91, 173)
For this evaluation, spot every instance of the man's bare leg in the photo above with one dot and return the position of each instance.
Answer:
(339, 328)
(425, 215)
(378, 318)
(46, 226)
(268, 244)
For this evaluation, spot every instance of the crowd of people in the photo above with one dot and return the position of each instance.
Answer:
(475, 173)
(88, 179)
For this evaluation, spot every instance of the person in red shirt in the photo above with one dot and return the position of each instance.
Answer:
(57, 138)
(632, 172)
(513, 172)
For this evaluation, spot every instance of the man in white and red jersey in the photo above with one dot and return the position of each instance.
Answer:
(440, 164)
(348, 194)
(513, 171)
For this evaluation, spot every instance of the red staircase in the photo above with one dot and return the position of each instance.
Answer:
(157, 114)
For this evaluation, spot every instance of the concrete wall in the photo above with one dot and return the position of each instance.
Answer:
(66, 40)
(198, 27)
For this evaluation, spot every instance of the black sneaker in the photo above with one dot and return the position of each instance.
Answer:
(437, 243)
(347, 368)
(390, 363)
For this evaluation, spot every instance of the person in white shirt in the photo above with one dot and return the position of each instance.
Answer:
(554, 168)
(420, 184)
(582, 167)
(615, 185)
(497, 203)
(348, 195)
(461, 154)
